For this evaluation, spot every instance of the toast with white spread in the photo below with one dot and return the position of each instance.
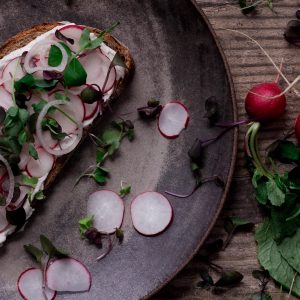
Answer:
(56, 79)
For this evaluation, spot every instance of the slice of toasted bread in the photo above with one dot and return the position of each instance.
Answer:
(22, 38)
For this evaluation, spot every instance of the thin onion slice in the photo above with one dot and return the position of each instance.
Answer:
(43, 66)
(40, 135)
(11, 180)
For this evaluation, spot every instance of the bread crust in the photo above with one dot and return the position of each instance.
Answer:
(22, 38)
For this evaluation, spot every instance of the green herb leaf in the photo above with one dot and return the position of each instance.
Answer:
(22, 138)
(31, 181)
(84, 41)
(100, 155)
(74, 74)
(275, 194)
(60, 96)
(55, 56)
(260, 275)
(285, 151)
(39, 196)
(35, 252)
(85, 224)
(229, 279)
(32, 151)
(50, 249)
(100, 175)
(271, 259)
(232, 223)
(124, 191)
(28, 82)
(111, 136)
(67, 48)
(120, 235)
(118, 60)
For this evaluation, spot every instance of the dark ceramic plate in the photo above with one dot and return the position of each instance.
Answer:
(176, 57)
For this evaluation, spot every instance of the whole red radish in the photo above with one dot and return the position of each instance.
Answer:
(262, 108)
(297, 128)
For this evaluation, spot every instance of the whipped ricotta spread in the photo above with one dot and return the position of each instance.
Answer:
(5, 227)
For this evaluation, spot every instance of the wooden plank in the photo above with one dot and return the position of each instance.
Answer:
(248, 66)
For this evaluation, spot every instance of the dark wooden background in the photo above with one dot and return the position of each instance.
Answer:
(248, 67)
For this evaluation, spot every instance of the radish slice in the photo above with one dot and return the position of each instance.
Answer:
(151, 213)
(41, 166)
(12, 69)
(41, 48)
(107, 208)
(30, 286)
(173, 119)
(96, 65)
(6, 100)
(68, 275)
(11, 179)
(40, 135)
(73, 32)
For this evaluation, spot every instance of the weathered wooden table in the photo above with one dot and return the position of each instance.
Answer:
(248, 66)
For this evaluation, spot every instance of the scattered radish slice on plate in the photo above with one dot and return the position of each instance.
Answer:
(41, 166)
(151, 213)
(173, 119)
(30, 286)
(107, 209)
(68, 275)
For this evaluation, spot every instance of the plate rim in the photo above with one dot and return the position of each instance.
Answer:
(232, 161)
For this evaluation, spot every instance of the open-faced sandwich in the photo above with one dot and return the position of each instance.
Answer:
(55, 80)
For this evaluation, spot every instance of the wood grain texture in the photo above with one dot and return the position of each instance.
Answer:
(248, 66)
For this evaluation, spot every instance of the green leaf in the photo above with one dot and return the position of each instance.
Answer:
(100, 175)
(37, 107)
(120, 235)
(32, 151)
(260, 275)
(111, 28)
(118, 60)
(124, 191)
(232, 223)
(229, 279)
(27, 180)
(100, 155)
(60, 96)
(289, 250)
(110, 136)
(85, 224)
(13, 112)
(130, 134)
(74, 74)
(285, 151)
(34, 252)
(271, 259)
(113, 148)
(95, 43)
(84, 41)
(22, 138)
(24, 84)
(275, 194)
(55, 56)
(39, 196)
(49, 248)
(67, 48)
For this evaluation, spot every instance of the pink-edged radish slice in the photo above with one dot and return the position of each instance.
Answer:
(74, 109)
(3, 221)
(30, 286)
(12, 69)
(6, 100)
(173, 118)
(72, 32)
(151, 213)
(41, 166)
(68, 275)
(107, 209)
(96, 65)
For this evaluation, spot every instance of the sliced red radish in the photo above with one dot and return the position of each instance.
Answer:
(12, 69)
(41, 166)
(151, 213)
(74, 108)
(3, 221)
(30, 286)
(68, 275)
(73, 32)
(96, 65)
(173, 119)
(107, 209)
(6, 100)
